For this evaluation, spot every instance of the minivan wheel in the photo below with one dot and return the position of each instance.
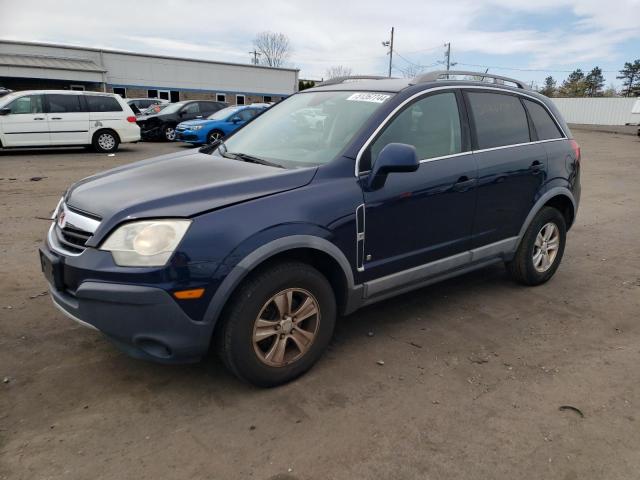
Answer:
(277, 325)
(169, 133)
(541, 249)
(105, 142)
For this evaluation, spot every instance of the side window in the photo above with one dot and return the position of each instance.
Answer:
(499, 119)
(98, 103)
(247, 115)
(26, 104)
(64, 103)
(207, 107)
(431, 124)
(191, 108)
(546, 128)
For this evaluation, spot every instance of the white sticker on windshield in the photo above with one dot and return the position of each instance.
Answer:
(368, 97)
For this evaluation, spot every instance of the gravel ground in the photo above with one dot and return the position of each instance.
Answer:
(475, 369)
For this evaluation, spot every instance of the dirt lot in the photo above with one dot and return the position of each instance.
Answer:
(475, 369)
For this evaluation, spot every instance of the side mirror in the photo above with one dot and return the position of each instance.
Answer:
(394, 157)
(5, 111)
(236, 120)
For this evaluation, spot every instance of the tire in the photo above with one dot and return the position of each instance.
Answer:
(105, 141)
(530, 265)
(265, 294)
(168, 133)
(214, 135)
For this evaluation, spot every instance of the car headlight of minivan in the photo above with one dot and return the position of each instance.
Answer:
(147, 243)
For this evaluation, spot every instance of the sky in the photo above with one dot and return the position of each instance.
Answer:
(524, 39)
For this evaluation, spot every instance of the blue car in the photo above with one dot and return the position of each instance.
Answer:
(256, 246)
(216, 126)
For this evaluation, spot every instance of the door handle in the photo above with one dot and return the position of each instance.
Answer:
(536, 166)
(464, 183)
(38, 118)
(56, 118)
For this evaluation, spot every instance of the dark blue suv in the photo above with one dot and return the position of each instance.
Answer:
(256, 245)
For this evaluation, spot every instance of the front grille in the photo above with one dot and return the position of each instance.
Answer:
(72, 238)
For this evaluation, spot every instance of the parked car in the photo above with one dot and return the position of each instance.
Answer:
(46, 118)
(162, 125)
(256, 244)
(216, 126)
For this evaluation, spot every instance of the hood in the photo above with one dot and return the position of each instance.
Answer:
(178, 185)
(192, 123)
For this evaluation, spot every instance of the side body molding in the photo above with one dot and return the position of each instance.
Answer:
(248, 263)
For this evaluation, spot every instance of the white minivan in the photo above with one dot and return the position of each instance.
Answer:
(43, 118)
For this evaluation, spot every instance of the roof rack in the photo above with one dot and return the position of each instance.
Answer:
(437, 75)
(338, 80)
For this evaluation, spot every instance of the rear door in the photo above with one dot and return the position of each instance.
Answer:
(511, 169)
(207, 108)
(68, 119)
(26, 124)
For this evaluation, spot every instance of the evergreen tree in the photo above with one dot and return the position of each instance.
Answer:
(549, 88)
(574, 85)
(594, 82)
(630, 76)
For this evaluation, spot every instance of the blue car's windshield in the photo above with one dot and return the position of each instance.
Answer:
(224, 113)
(308, 128)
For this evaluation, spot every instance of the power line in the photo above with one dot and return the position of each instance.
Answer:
(543, 70)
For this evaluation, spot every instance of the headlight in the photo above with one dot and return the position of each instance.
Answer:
(195, 127)
(148, 243)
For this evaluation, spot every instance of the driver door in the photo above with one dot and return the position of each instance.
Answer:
(26, 124)
(427, 215)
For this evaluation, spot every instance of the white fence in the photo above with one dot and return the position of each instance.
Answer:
(598, 111)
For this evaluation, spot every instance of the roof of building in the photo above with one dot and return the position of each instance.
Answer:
(124, 52)
(45, 61)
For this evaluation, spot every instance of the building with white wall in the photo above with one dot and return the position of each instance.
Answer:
(25, 66)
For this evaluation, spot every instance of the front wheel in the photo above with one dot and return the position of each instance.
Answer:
(214, 136)
(541, 248)
(277, 324)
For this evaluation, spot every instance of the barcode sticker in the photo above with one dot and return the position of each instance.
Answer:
(369, 97)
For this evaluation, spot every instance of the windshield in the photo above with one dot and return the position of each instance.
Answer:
(306, 129)
(224, 113)
(173, 107)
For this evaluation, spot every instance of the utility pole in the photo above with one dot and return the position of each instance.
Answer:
(255, 54)
(447, 55)
(389, 44)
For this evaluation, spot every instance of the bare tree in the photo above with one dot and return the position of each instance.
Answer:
(337, 71)
(274, 48)
(412, 70)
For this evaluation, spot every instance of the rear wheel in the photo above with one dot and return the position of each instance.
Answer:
(169, 133)
(105, 141)
(541, 249)
(277, 324)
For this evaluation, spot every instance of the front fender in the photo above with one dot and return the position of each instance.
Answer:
(244, 262)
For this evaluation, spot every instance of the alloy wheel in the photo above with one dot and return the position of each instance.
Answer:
(286, 327)
(545, 249)
(170, 133)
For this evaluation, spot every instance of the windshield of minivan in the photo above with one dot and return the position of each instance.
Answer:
(222, 114)
(306, 129)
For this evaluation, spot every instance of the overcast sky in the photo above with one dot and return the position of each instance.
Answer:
(538, 36)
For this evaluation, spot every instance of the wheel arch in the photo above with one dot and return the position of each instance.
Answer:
(317, 252)
(557, 197)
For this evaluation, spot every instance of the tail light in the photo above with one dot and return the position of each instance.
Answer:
(576, 149)
(131, 119)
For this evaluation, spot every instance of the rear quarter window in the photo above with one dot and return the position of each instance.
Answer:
(499, 119)
(545, 127)
(97, 103)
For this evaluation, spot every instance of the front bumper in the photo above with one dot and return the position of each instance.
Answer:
(145, 322)
(189, 136)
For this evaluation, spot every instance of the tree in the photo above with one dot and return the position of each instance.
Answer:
(549, 88)
(630, 76)
(610, 91)
(412, 70)
(337, 71)
(574, 85)
(274, 48)
(594, 81)
(304, 84)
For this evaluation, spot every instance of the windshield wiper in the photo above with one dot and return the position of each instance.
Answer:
(210, 148)
(250, 158)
